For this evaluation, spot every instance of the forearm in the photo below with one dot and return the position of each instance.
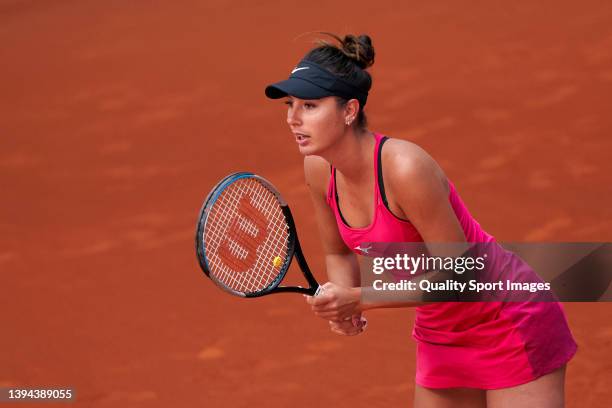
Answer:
(368, 300)
(377, 296)
(343, 270)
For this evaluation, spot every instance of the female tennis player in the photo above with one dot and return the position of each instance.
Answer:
(370, 188)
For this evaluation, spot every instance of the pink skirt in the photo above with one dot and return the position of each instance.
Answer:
(490, 345)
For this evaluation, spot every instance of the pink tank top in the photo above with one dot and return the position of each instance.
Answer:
(385, 226)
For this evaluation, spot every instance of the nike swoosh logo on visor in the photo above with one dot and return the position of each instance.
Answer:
(299, 69)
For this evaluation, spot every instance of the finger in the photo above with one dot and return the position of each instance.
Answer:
(326, 285)
(330, 316)
(326, 317)
(332, 305)
(341, 325)
(346, 326)
(335, 315)
(352, 332)
(319, 300)
(346, 332)
(338, 332)
(346, 329)
(321, 308)
(340, 314)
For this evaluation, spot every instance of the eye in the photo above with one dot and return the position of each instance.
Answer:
(309, 105)
(288, 103)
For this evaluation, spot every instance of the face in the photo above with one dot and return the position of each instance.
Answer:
(315, 123)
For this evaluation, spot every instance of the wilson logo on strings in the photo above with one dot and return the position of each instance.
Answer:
(247, 232)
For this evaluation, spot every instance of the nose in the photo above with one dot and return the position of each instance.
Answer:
(293, 117)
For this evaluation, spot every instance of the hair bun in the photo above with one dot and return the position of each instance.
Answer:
(359, 48)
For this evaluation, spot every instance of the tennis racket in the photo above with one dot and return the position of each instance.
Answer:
(246, 239)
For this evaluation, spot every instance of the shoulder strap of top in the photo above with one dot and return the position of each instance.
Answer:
(378, 175)
(330, 186)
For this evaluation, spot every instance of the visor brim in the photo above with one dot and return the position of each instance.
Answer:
(296, 87)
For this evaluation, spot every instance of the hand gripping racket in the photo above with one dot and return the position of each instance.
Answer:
(246, 239)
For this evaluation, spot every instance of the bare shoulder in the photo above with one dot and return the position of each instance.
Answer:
(407, 164)
(316, 173)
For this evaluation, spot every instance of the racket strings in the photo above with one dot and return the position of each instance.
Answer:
(246, 281)
(227, 271)
(245, 234)
(264, 272)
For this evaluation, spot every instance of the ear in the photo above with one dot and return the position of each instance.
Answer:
(351, 109)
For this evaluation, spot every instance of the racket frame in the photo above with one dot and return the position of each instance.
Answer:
(293, 244)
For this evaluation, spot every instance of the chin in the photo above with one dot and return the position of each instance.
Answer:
(313, 149)
(308, 149)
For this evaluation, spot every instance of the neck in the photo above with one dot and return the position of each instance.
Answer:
(352, 154)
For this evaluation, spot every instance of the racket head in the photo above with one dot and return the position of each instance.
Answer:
(245, 236)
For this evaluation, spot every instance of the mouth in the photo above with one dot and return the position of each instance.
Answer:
(301, 138)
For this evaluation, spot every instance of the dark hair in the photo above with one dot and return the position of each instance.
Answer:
(348, 59)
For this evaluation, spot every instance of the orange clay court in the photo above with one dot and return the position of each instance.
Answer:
(118, 117)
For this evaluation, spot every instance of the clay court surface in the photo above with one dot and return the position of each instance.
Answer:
(117, 118)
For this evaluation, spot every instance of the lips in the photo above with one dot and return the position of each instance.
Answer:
(301, 138)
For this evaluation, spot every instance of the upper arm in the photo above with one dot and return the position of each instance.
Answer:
(316, 172)
(420, 189)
